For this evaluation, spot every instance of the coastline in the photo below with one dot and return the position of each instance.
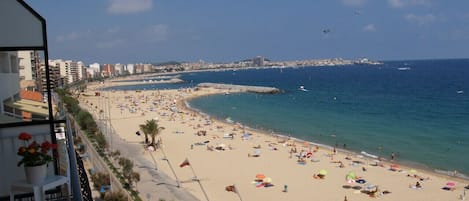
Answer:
(273, 163)
(403, 163)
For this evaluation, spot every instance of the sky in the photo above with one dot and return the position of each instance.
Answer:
(150, 31)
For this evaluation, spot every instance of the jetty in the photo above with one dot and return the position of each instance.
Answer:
(240, 88)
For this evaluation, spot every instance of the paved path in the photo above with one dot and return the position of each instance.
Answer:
(154, 184)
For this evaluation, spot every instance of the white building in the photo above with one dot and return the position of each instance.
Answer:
(130, 68)
(70, 71)
(26, 59)
(96, 67)
(119, 69)
(80, 70)
(28, 69)
(9, 76)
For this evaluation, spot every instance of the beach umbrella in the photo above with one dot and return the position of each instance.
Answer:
(322, 172)
(360, 181)
(267, 180)
(257, 152)
(394, 167)
(260, 176)
(350, 176)
(450, 184)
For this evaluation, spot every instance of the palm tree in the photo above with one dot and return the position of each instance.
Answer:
(151, 128)
(143, 127)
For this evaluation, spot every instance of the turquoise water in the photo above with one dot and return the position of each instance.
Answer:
(421, 114)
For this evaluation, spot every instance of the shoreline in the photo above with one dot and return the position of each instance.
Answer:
(212, 166)
(409, 164)
(406, 163)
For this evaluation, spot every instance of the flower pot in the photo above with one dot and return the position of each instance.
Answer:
(35, 174)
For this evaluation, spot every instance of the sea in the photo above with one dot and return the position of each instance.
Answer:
(417, 110)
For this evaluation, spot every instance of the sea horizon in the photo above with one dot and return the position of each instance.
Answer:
(413, 109)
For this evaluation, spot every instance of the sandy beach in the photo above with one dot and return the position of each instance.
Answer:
(222, 154)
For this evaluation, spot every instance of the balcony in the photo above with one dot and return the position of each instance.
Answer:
(27, 31)
(66, 163)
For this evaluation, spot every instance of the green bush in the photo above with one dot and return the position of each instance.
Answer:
(115, 196)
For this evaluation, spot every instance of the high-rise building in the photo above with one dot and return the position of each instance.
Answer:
(119, 69)
(54, 77)
(258, 61)
(80, 70)
(28, 69)
(94, 70)
(72, 71)
(108, 70)
(130, 68)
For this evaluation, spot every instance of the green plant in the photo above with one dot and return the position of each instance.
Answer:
(151, 128)
(115, 196)
(100, 179)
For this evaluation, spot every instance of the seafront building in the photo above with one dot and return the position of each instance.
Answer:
(93, 71)
(70, 71)
(29, 70)
(118, 69)
(130, 68)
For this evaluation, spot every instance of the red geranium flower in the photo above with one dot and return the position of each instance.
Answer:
(34, 154)
(24, 136)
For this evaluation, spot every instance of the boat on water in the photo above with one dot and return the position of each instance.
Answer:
(460, 92)
(302, 88)
(404, 68)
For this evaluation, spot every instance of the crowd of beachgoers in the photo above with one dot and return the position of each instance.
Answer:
(218, 160)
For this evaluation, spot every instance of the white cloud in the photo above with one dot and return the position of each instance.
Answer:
(129, 6)
(156, 33)
(72, 36)
(354, 2)
(421, 20)
(110, 44)
(369, 28)
(402, 3)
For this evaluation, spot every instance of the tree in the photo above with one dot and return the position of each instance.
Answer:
(100, 179)
(151, 128)
(127, 171)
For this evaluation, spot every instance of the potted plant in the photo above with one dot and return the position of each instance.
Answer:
(35, 157)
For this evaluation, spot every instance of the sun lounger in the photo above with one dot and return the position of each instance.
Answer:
(228, 136)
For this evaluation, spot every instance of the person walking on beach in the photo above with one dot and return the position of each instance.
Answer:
(392, 156)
